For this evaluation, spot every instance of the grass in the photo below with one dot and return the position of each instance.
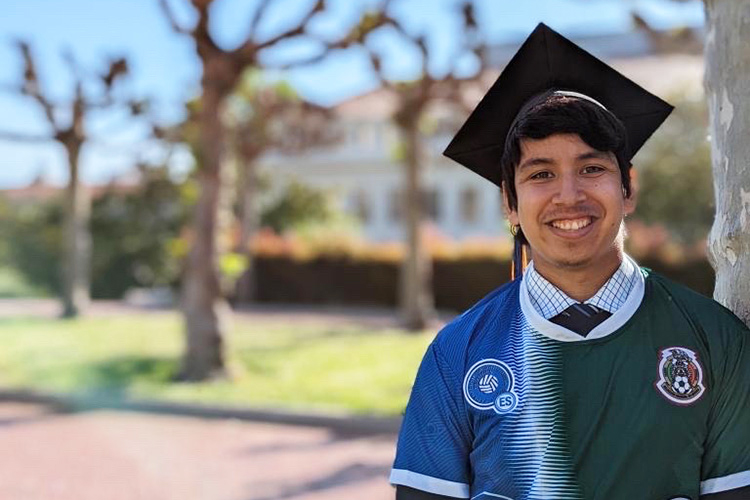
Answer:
(274, 364)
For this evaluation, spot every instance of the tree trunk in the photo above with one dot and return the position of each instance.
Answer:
(416, 273)
(203, 305)
(728, 93)
(76, 240)
(249, 223)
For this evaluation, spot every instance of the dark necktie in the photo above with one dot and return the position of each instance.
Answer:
(581, 318)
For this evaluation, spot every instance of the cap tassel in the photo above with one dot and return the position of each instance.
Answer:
(520, 256)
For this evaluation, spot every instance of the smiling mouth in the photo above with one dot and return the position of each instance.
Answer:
(572, 224)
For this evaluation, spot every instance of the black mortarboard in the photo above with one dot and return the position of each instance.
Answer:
(549, 61)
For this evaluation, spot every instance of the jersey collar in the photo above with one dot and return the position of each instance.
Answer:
(539, 321)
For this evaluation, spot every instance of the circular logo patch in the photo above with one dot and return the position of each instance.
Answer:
(488, 385)
(680, 375)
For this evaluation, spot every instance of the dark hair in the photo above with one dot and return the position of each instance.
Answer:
(551, 114)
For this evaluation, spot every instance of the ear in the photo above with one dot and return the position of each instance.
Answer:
(510, 213)
(631, 201)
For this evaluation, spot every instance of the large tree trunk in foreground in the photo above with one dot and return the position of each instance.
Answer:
(416, 274)
(76, 240)
(203, 304)
(728, 91)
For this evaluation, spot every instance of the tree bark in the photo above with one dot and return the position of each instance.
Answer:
(728, 93)
(249, 223)
(203, 305)
(416, 276)
(76, 240)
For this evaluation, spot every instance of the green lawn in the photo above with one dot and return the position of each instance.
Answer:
(275, 365)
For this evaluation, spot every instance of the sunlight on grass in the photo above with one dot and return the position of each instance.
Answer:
(274, 365)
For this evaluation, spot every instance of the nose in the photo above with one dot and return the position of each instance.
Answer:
(570, 190)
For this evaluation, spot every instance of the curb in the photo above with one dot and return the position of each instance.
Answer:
(342, 423)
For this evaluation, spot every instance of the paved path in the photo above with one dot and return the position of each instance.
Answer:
(107, 455)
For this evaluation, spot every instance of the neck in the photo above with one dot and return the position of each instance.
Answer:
(580, 282)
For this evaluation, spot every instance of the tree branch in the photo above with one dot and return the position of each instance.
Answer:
(172, 20)
(377, 67)
(250, 48)
(31, 86)
(20, 137)
(255, 22)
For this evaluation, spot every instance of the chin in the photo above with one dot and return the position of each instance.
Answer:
(572, 262)
(569, 260)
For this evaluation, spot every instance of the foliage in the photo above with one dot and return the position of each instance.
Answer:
(35, 250)
(674, 173)
(133, 236)
(13, 285)
(138, 237)
(296, 204)
(348, 245)
(306, 364)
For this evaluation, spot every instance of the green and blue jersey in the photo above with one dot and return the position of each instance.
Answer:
(653, 404)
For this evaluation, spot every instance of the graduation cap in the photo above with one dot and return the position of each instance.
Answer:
(547, 61)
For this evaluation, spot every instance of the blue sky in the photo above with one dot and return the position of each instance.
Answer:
(165, 68)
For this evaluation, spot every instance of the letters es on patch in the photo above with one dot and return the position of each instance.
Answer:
(489, 385)
(680, 375)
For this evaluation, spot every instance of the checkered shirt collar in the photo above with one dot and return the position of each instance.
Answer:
(549, 301)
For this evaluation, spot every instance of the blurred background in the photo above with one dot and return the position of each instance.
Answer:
(241, 205)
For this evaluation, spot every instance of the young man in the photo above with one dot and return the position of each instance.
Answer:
(587, 378)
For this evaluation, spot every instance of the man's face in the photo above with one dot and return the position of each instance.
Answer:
(570, 203)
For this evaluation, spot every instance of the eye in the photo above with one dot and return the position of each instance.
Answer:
(592, 169)
(544, 174)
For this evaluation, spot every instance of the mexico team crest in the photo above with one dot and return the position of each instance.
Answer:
(680, 375)
(488, 385)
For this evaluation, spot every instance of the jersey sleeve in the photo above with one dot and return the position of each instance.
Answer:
(726, 459)
(433, 448)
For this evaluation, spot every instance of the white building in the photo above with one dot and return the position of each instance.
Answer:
(365, 177)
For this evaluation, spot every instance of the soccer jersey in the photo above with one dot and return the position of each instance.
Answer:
(653, 404)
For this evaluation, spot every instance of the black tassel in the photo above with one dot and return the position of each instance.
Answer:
(520, 256)
(517, 264)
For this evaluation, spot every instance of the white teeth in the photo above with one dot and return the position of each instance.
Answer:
(571, 224)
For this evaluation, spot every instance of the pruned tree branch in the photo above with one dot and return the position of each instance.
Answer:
(75, 68)
(164, 4)
(31, 85)
(251, 48)
(118, 68)
(682, 40)
(258, 15)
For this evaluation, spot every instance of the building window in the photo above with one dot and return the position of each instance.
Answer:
(354, 132)
(469, 205)
(396, 205)
(360, 204)
(431, 203)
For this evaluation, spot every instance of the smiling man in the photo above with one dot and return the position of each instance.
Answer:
(587, 377)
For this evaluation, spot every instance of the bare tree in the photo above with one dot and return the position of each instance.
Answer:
(67, 122)
(414, 99)
(267, 116)
(202, 302)
(683, 40)
(728, 92)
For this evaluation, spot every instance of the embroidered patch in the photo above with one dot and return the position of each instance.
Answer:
(489, 385)
(680, 375)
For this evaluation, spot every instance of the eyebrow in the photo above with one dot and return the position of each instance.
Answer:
(589, 155)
